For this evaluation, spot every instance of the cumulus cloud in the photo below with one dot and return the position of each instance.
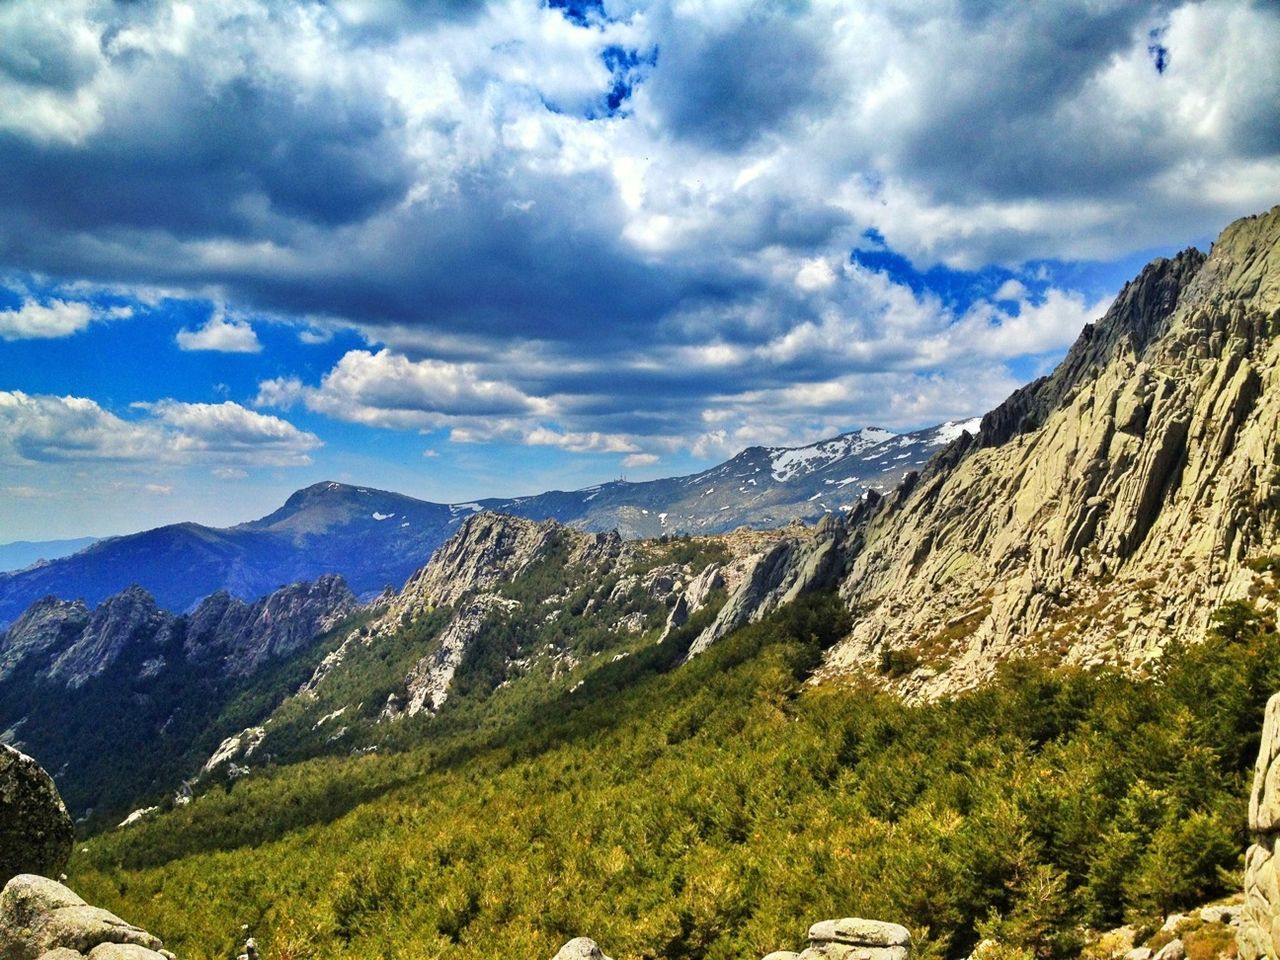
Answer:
(34, 320)
(221, 334)
(626, 232)
(387, 389)
(52, 429)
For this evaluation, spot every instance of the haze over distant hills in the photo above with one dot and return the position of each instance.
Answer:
(375, 538)
(23, 553)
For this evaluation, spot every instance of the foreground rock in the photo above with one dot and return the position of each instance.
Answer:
(1259, 931)
(581, 948)
(856, 939)
(36, 833)
(43, 920)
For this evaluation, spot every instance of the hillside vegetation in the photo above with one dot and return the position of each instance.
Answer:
(714, 809)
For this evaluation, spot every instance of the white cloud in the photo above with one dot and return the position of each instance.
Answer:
(387, 389)
(229, 473)
(590, 442)
(158, 489)
(55, 318)
(222, 334)
(51, 429)
(640, 460)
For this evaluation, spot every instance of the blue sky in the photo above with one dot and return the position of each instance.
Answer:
(470, 249)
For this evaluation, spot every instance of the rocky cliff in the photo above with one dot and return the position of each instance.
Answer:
(1259, 932)
(1104, 510)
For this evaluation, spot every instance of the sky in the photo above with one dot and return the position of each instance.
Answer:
(461, 249)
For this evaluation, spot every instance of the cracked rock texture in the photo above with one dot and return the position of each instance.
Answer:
(41, 919)
(1103, 511)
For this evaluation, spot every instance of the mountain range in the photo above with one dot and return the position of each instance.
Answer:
(376, 539)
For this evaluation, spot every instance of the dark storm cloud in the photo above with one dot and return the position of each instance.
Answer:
(725, 86)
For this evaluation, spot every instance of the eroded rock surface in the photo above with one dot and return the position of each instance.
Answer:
(1104, 511)
(39, 917)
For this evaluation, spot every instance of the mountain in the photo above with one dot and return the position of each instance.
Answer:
(1104, 511)
(138, 689)
(376, 539)
(760, 487)
(23, 553)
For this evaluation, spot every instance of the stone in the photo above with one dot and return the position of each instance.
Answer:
(62, 953)
(580, 948)
(1259, 919)
(1173, 950)
(38, 915)
(783, 955)
(36, 833)
(860, 933)
(1173, 921)
(123, 951)
(1138, 953)
(1220, 914)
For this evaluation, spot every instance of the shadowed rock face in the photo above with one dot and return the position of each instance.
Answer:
(36, 833)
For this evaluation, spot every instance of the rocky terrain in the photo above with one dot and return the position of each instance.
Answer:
(1104, 510)
(376, 539)
(127, 675)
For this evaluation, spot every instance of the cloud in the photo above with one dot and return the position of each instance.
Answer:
(387, 389)
(640, 460)
(630, 232)
(51, 429)
(221, 334)
(55, 318)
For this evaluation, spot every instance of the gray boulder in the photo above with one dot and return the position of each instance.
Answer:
(580, 948)
(853, 938)
(39, 917)
(36, 832)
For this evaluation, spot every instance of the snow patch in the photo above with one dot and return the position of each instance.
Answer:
(381, 516)
(952, 429)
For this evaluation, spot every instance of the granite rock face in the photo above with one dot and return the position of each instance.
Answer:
(36, 833)
(1104, 511)
(39, 917)
(1259, 932)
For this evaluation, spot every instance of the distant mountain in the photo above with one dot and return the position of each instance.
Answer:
(760, 487)
(376, 539)
(23, 553)
(371, 537)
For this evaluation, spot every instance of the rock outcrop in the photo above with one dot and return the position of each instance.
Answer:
(41, 919)
(580, 948)
(1104, 511)
(36, 833)
(852, 939)
(241, 636)
(67, 643)
(802, 561)
(1259, 932)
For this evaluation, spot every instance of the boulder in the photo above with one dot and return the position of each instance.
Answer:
(1258, 934)
(580, 948)
(40, 916)
(36, 832)
(1173, 950)
(783, 955)
(854, 938)
(123, 951)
